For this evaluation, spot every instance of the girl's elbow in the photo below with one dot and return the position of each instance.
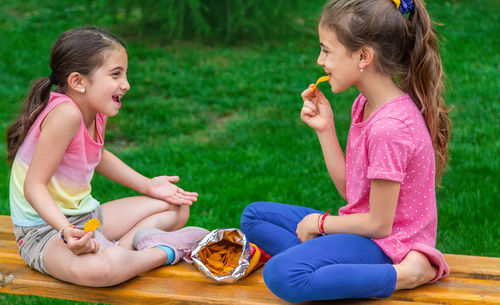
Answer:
(381, 230)
(27, 191)
(29, 188)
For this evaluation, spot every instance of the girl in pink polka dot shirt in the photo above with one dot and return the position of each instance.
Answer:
(384, 238)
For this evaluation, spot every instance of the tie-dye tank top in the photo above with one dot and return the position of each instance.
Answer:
(70, 185)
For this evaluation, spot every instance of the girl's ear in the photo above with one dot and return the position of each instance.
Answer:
(366, 56)
(76, 82)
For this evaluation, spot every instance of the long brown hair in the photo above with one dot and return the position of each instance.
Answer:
(406, 47)
(80, 50)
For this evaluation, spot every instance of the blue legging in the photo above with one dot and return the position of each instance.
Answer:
(329, 267)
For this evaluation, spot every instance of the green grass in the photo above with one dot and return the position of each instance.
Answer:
(226, 118)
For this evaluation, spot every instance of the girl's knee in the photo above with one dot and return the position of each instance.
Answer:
(282, 280)
(250, 214)
(272, 273)
(182, 216)
(96, 274)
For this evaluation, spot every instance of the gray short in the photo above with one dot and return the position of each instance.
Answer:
(32, 240)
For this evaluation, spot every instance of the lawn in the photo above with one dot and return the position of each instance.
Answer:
(225, 118)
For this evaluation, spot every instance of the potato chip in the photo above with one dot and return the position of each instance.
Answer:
(91, 225)
(320, 80)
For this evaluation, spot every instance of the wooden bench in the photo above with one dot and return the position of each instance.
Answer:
(473, 280)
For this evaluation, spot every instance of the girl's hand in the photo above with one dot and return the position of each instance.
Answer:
(308, 227)
(80, 242)
(316, 111)
(162, 188)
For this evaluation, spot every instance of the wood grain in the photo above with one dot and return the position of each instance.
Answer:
(473, 280)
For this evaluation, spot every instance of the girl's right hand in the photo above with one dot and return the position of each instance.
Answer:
(162, 188)
(80, 242)
(316, 111)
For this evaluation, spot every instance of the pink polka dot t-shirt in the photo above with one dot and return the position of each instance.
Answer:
(393, 144)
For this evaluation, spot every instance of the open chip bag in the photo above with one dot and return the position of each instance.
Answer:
(225, 255)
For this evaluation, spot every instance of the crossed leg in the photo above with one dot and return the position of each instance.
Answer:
(272, 227)
(123, 217)
(113, 265)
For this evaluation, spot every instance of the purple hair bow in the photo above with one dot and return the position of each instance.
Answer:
(406, 6)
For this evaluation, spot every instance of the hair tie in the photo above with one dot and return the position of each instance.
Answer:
(52, 80)
(404, 6)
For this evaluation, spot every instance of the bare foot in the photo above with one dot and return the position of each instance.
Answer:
(414, 271)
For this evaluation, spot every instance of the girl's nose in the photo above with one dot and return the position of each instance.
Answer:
(320, 61)
(125, 85)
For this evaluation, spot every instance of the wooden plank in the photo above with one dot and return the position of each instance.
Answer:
(473, 280)
(370, 302)
(153, 290)
(9, 247)
(6, 228)
(145, 289)
(9, 250)
(475, 266)
(454, 291)
(188, 271)
(162, 285)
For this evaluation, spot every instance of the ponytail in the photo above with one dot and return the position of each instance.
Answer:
(424, 82)
(35, 102)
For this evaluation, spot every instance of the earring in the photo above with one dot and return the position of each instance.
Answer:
(361, 70)
(82, 90)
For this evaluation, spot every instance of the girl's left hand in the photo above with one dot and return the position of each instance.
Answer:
(308, 227)
(161, 187)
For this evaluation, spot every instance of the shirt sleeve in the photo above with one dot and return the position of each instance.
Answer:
(390, 149)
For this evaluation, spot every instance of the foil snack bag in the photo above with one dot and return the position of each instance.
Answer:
(225, 255)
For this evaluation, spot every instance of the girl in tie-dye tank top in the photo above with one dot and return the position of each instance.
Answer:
(54, 147)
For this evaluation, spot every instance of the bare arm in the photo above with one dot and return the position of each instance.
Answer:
(334, 159)
(160, 187)
(377, 223)
(115, 169)
(317, 113)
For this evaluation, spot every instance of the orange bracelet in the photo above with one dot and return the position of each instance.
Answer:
(321, 220)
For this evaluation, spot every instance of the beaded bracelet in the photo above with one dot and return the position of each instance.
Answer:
(61, 232)
(321, 222)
